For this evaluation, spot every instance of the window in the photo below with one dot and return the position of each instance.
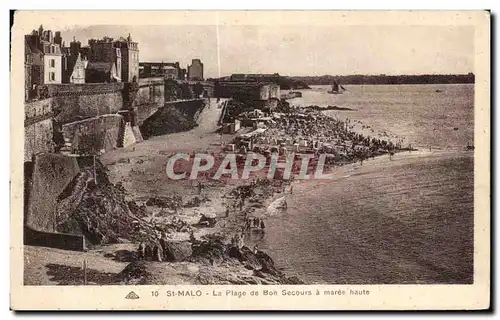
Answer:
(52, 63)
(52, 76)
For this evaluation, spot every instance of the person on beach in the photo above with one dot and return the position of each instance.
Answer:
(141, 251)
(199, 187)
(158, 252)
(192, 238)
(148, 251)
(256, 222)
(262, 226)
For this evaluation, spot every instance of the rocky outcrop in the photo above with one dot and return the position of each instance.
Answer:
(97, 209)
(168, 119)
(215, 252)
(212, 263)
(176, 251)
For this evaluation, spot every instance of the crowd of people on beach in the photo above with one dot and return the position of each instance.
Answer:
(299, 130)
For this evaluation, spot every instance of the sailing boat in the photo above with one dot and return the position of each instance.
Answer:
(335, 88)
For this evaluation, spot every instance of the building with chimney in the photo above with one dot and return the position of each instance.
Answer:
(74, 63)
(104, 50)
(43, 40)
(124, 53)
(195, 70)
(130, 58)
(28, 62)
(74, 68)
(168, 70)
(43, 62)
(99, 72)
(34, 71)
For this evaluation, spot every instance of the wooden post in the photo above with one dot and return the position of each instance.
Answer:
(84, 272)
(95, 175)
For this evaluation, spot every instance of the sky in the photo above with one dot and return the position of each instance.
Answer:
(300, 50)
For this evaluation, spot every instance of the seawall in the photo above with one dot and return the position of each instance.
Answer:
(94, 134)
(51, 173)
(38, 128)
(75, 102)
(172, 117)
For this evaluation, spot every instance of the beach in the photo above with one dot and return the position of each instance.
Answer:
(315, 231)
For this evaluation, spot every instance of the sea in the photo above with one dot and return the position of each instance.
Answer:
(408, 219)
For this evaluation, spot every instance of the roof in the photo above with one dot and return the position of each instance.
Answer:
(100, 66)
(72, 61)
(46, 45)
(33, 48)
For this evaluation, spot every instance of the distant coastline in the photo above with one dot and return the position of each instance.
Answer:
(388, 79)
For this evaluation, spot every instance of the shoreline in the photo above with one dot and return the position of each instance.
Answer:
(219, 247)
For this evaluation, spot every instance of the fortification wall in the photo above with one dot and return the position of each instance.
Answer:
(54, 240)
(172, 117)
(94, 134)
(74, 102)
(74, 108)
(149, 98)
(37, 110)
(50, 176)
(190, 108)
(38, 138)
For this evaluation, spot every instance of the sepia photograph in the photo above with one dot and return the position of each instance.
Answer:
(257, 156)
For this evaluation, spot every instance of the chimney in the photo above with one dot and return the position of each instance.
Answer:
(75, 46)
(50, 36)
(58, 38)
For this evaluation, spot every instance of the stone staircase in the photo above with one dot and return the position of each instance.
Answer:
(121, 135)
(126, 135)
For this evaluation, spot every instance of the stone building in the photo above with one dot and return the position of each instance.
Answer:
(100, 72)
(262, 95)
(74, 63)
(33, 64)
(124, 53)
(52, 61)
(28, 62)
(42, 46)
(130, 58)
(74, 68)
(195, 70)
(104, 50)
(168, 70)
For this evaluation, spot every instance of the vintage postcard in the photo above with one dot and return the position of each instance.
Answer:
(250, 160)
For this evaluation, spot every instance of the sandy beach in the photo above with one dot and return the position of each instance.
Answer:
(226, 205)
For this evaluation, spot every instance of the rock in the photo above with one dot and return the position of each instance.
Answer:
(135, 272)
(248, 258)
(234, 252)
(293, 280)
(177, 251)
(213, 251)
